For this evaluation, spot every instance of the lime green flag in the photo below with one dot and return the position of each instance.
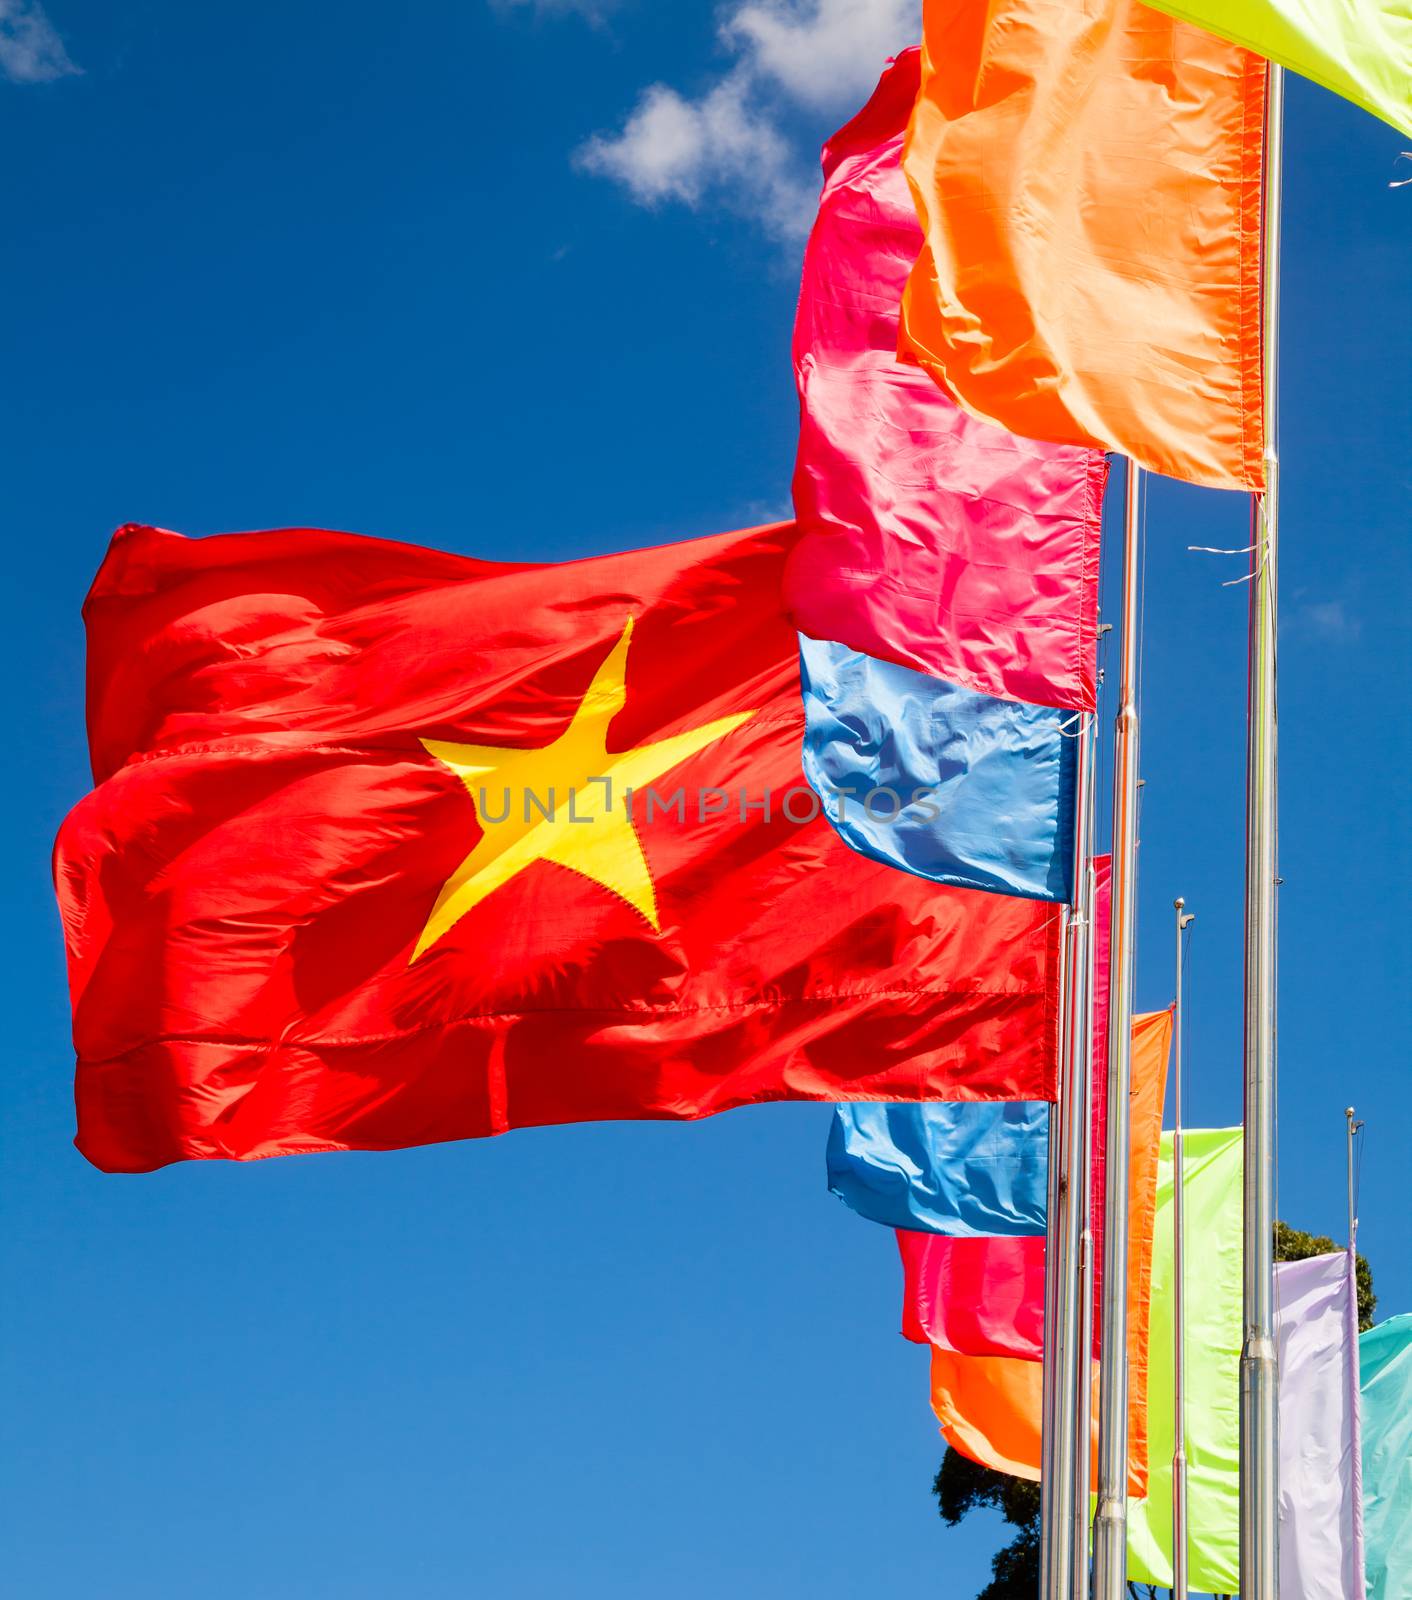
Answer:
(1361, 49)
(1212, 1170)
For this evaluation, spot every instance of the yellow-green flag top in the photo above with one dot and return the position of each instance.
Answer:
(1361, 49)
(1211, 1172)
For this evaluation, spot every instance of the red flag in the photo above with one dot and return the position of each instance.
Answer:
(391, 847)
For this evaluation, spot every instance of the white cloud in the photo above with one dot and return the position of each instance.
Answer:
(729, 146)
(824, 52)
(672, 148)
(30, 49)
(1325, 619)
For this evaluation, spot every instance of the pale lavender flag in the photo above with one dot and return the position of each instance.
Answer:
(1321, 1491)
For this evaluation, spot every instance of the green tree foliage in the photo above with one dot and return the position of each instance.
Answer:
(1292, 1245)
(962, 1485)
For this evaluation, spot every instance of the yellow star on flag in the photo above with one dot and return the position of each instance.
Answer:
(582, 787)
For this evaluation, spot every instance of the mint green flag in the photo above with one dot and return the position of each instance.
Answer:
(1212, 1170)
(1385, 1388)
(1361, 49)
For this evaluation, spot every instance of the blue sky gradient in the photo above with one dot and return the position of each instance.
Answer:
(271, 264)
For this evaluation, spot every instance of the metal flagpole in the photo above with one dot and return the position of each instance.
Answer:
(1355, 1402)
(1110, 1525)
(1083, 1191)
(1065, 1201)
(1259, 1488)
(1075, 1374)
(1179, 1519)
(1052, 1524)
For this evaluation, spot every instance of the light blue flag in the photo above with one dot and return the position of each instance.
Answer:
(1385, 1389)
(959, 787)
(962, 1169)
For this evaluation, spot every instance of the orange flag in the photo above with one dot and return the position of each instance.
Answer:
(1088, 178)
(989, 1406)
(1152, 1045)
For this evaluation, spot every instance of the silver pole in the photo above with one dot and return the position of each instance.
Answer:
(1064, 1231)
(1083, 1359)
(1355, 1533)
(1179, 1517)
(1259, 1422)
(1110, 1526)
(1052, 1523)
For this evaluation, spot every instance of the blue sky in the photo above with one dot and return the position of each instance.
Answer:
(441, 272)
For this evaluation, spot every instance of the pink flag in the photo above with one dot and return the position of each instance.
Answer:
(930, 538)
(979, 1297)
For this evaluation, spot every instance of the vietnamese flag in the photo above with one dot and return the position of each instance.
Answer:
(391, 846)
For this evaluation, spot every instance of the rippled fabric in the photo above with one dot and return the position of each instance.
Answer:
(1385, 1359)
(986, 1295)
(989, 1405)
(1362, 50)
(1152, 1043)
(1320, 1498)
(989, 1409)
(982, 1297)
(953, 1169)
(275, 723)
(963, 1170)
(1211, 1167)
(929, 538)
(1089, 183)
(959, 787)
